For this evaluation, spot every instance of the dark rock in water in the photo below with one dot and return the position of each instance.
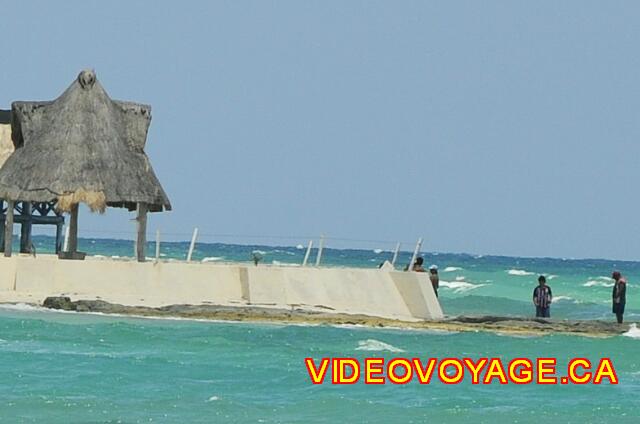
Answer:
(59, 302)
(498, 324)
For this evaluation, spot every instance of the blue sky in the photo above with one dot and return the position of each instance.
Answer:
(498, 127)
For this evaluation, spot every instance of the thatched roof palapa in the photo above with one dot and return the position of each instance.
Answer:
(81, 147)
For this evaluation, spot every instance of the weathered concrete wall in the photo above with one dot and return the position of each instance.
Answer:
(374, 292)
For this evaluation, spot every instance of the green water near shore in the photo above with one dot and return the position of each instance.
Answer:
(74, 368)
(65, 367)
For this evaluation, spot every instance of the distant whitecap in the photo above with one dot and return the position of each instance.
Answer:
(460, 286)
(598, 283)
(519, 272)
(452, 269)
(563, 298)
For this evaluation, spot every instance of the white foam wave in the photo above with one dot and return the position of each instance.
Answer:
(451, 269)
(376, 345)
(598, 283)
(377, 251)
(460, 278)
(561, 298)
(278, 263)
(22, 307)
(634, 332)
(212, 259)
(460, 286)
(551, 277)
(518, 335)
(519, 272)
(213, 398)
(299, 247)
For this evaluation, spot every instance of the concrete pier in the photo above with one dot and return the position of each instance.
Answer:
(374, 292)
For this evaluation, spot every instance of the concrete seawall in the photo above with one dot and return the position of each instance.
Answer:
(374, 292)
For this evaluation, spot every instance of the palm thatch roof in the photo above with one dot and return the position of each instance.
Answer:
(81, 147)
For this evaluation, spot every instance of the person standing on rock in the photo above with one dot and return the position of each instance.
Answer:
(619, 295)
(435, 280)
(418, 265)
(542, 297)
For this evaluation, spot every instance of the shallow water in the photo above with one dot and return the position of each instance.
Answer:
(66, 367)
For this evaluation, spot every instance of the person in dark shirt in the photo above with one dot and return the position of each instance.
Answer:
(435, 280)
(619, 295)
(542, 298)
(417, 266)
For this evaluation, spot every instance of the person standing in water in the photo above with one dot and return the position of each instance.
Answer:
(542, 298)
(435, 279)
(619, 295)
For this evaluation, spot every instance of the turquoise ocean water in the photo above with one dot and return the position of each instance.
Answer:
(65, 367)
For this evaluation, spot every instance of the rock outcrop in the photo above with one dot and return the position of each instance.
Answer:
(496, 324)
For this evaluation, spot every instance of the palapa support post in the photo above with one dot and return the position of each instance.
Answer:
(71, 237)
(157, 245)
(65, 247)
(8, 228)
(141, 240)
(73, 230)
(25, 228)
(59, 236)
(2, 231)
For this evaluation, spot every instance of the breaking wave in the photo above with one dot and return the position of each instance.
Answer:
(22, 307)
(565, 298)
(452, 269)
(376, 345)
(212, 259)
(460, 286)
(519, 272)
(634, 332)
(598, 283)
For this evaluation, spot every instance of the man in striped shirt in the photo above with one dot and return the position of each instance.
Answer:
(542, 298)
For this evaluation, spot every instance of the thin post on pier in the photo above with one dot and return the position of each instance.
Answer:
(415, 254)
(8, 229)
(320, 248)
(141, 240)
(395, 254)
(306, 255)
(157, 245)
(193, 244)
